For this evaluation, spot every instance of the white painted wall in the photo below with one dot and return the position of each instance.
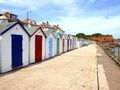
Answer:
(71, 42)
(65, 46)
(6, 53)
(32, 46)
(0, 51)
(60, 45)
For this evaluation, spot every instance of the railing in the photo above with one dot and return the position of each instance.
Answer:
(112, 51)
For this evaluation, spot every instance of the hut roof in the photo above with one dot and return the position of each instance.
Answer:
(4, 27)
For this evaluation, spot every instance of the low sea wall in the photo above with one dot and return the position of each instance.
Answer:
(112, 51)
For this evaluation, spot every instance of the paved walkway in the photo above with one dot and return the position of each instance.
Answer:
(74, 70)
(69, 71)
(110, 78)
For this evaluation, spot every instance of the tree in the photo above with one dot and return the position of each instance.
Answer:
(97, 35)
(81, 35)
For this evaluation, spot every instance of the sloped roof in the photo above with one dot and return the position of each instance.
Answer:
(32, 30)
(47, 32)
(61, 35)
(4, 27)
(55, 33)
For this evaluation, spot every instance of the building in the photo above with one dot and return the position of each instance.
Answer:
(29, 23)
(10, 17)
(14, 46)
(50, 43)
(37, 44)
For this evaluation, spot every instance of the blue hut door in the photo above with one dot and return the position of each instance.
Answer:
(67, 44)
(57, 45)
(70, 44)
(50, 47)
(16, 50)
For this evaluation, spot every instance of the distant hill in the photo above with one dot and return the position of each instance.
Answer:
(82, 35)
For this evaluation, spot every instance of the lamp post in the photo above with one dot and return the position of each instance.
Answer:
(28, 16)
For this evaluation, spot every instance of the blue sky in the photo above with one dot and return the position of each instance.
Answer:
(73, 16)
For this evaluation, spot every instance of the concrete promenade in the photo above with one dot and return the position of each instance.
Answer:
(86, 68)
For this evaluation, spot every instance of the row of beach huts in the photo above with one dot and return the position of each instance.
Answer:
(21, 46)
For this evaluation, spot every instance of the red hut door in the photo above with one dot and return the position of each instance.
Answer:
(38, 48)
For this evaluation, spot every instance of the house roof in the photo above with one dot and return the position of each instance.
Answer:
(29, 21)
(56, 27)
(4, 27)
(43, 25)
(3, 18)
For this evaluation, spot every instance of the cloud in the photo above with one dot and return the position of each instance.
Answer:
(37, 3)
(90, 25)
(31, 4)
(65, 6)
(4, 10)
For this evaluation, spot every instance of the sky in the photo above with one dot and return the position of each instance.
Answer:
(73, 16)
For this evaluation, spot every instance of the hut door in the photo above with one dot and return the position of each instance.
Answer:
(38, 48)
(50, 47)
(57, 45)
(70, 44)
(67, 44)
(16, 51)
(63, 45)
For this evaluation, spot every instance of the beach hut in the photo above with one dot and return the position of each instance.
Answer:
(50, 43)
(65, 43)
(58, 42)
(14, 46)
(70, 42)
(37, 44)
(75, 42)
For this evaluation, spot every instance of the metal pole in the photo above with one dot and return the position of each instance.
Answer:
(118, 55)
(27, 18)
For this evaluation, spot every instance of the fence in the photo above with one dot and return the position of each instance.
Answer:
(112, 51)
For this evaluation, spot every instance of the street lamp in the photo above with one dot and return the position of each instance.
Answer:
(28, 16)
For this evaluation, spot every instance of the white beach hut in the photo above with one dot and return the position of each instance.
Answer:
(58, 42)
(14, 46)
(50, 43)
(37, 44)
(70, 41)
